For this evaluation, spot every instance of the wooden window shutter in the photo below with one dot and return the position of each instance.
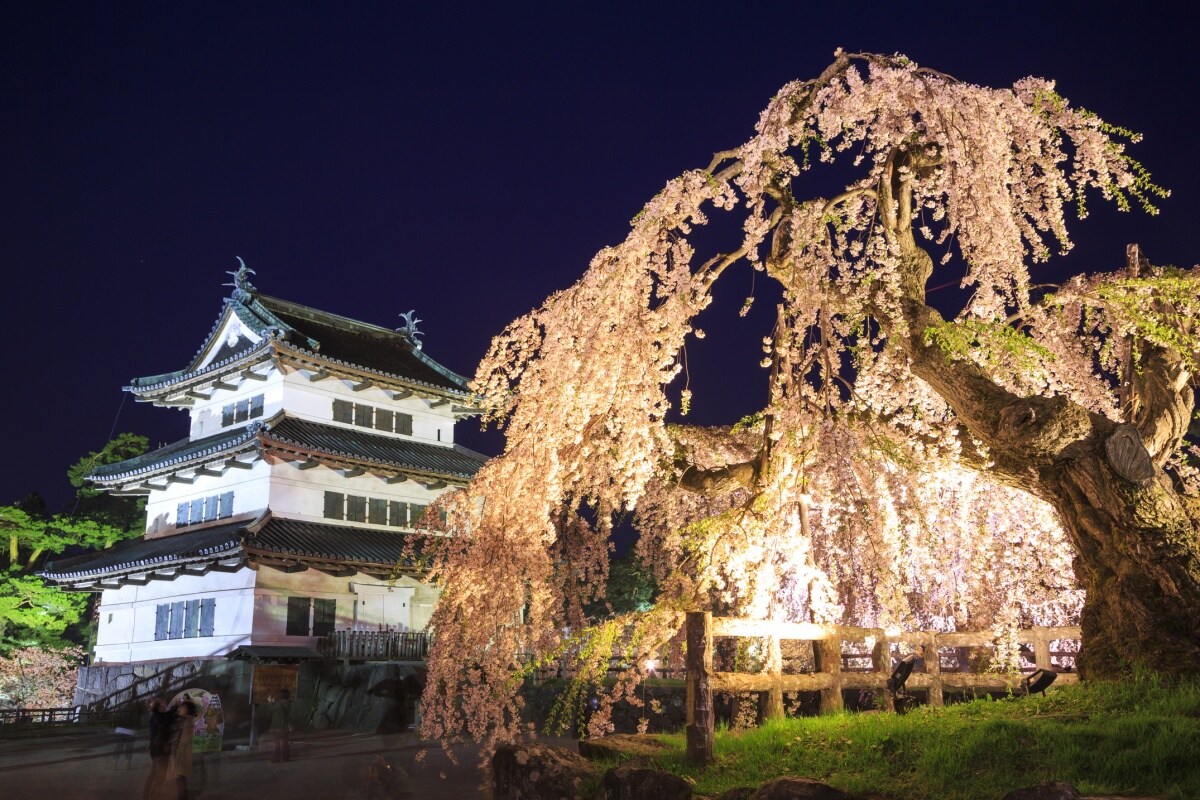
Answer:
(335, 505)
(208, 616)
(210, 508)
(256, 406)
(227, 416)
(364, 416)
(175, 630)
(297, 616)
(415, 513)
(191, 624)
(397, 514)
(181, 514)
(162, 613)
(241, 411)
(196, 514)
(384, 420)
(324, 616)
(343, 411)
(404, 423)
(356, 508)
(225, 507)
(377, 511)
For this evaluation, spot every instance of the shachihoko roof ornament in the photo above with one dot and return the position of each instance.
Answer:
(242, 288)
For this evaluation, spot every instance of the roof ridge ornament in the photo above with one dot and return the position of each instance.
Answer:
(409, 328)
(243, 290)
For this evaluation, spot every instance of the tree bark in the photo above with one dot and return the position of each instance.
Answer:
(1136, 539)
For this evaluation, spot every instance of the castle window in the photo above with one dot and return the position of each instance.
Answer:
(297, 615)
(356, 508)
(335, 505)
(242, 410)
(364, 416)
(343, 412)
(185, 619)
(324, 614)
(307, 616)
(204, 509)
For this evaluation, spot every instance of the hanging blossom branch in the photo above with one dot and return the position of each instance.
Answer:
(849, 498)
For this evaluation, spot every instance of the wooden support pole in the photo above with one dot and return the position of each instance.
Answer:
(881, 663)
(774, 708)
(699, 688)
(933, 668)
(1041, 648)
(828, 655)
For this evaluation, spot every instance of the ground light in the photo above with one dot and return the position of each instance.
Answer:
(650, 665)
(1038, 681)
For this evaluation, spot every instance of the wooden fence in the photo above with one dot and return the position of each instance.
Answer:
(375, 645)
(21, 717)
(867, 666)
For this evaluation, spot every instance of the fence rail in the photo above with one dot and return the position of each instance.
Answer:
(944, 659)
(19, 717)
(375, 645)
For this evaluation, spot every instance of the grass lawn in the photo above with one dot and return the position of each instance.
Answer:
(1140, 737)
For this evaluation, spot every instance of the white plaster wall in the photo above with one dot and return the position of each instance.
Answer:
(231, 330)
(300, 493)
(313, 400)
(251, 495)
(127, 617)
(363, 603)
(206, 414)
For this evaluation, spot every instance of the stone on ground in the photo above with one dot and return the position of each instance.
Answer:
(640, 783)
(539, 772)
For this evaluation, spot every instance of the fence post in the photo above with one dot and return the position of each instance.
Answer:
(933, 668)
(699, 688)
(774, 708)
(827, 653)
(881, 663)
(1041, 648)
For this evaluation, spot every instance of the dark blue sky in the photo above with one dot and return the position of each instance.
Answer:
(462, 159)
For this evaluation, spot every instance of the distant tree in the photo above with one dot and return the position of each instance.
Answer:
(38, 677)
(909, 469)
(126, 513)
(31, 611)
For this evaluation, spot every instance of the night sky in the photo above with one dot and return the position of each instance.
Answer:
(464, 160)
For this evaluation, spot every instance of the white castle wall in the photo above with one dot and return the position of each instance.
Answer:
(127, 617)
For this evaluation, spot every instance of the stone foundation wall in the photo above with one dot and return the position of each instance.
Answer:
(377, 697)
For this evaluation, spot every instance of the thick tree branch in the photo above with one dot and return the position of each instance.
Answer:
(1163, 402)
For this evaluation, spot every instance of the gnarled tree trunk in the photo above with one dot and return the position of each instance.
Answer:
(1136, 539)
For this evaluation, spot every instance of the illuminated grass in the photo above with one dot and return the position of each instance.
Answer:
(1135, 738)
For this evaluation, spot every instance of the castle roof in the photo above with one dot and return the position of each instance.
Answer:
(287, 544)
(293, 440)
(309, 338)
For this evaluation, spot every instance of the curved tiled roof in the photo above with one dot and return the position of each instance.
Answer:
(359, 344)
(177, 454)
(319, 335)
(456, 462)
(139, 555)
(330, 543)
(287, 540)
(289, 434)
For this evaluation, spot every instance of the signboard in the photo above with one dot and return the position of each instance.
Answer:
(210, 720)
(270, 679)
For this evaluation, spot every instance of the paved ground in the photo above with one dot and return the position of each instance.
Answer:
(324, 765)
